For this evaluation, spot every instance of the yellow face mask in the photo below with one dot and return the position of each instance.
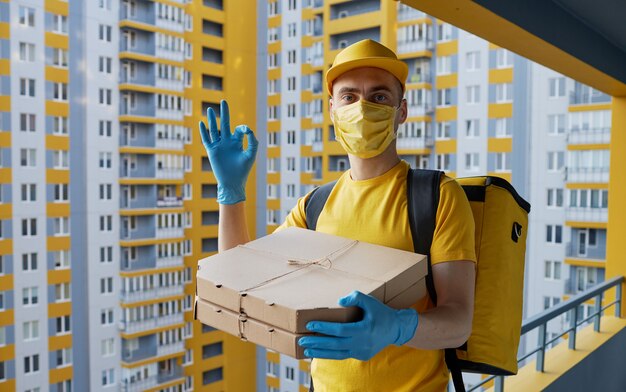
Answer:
(363, 128)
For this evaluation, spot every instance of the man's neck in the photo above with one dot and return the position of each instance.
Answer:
(363, 169)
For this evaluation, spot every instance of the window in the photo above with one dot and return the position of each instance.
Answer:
(59, 125)
(2, 300)
(31, 364)
(272, 219)
(105, 65)
(106, 285)
(272, 8)
(291, 137)
(29, 262)
(3, 341)
(444, 97)
(289, 373)
(29, 227)
(106, 191)
(63, 325)
(105, 95)
(106, 223)
(59, 57)
(291, 83)
(471, 161)
(105, 33)
(473, 94)
(291, 5)
(61, 192)
(589, 198)
(272, 138)
(27, 52)
(59, 24)
(211, 376)
(443, 130)
(292, 30)
(504, 92)
(444, 32)
(108, 377)
(556, 160)
(27, 87)
(29, 192)
(555, 197)
(291, 56)
(552, 270)
(104, 4)
(442, 161)
(105, 128)
(60, 159)
(504, 58)
(471, 128)
(444, 65)
(106, 254)
(27, 16)
(28, 122)
(30, 330)
(291, 110)
(272, 87)
(106, 159)
(272, 113)
(291, 190)
(272, 60)
(61, 259)
(556, 87)
(503, 161)
(106, 316)
(550, 301)
(472, 61)
(554, 234)
(63, 357)
(273, 34)
(556, 124)
(61, 226)
(107, 347)
(291, 164)
(30, 296)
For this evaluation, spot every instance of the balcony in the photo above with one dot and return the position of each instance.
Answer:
(172, 25)
(169, 114)
(170, 232)
(409, 13)
(130, 327)
(415, 78)
(587, 214)
(414, 143)
(170, 173)
(586, 98)
(139, 385)
(151, 294)
(169, 84)
(166, 377)
(420, 109)
(415, 46)
(169, 349)
(596, 252)
(590, 349)
(169, 202)
(171, 261)
(589, 136)
(587, 174)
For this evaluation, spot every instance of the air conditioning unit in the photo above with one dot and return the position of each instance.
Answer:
(342, 44)
(342, 14)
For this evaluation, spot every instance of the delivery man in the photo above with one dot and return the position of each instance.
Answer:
(389, 349)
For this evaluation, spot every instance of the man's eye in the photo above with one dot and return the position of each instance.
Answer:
(347, 98)
(380, 98)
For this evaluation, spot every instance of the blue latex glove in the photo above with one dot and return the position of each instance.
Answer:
(231, 165)
(381, 326)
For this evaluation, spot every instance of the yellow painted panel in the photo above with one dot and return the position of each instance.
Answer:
(273, 382)
(353, 23)
(6, 246)
(273, 100)
(447, 81)
(5, 67)
(273, 126)
(446, 113)
(585, 263)
(8, 385)
(589, 107)
(151, 271)
(274, 47)
(59, 75)
(5, 139)
(6, 176)
(6, 318)
(5, 103)
(448, 48)
(149, 27)
(150, 211)
(6, 282)
(54, 142)
(422, 53)
(61, 374)
(505, 175)
(273, 73)
(572, 147)
(150, 302)
(150, 59)
(54, 176)
(501, 75)
(497, 110)
(273, 178)
(59, 276)
(149, 181)
(304, 365)
(500, 144)
(150, 241)
(587, 185)
(57, 7)
(54, 40)
(6, 211)
(586, 225)
(55, 210)
(273, 204)
(59, 309)
(59, 341)
(445, 146)
(5, 31)
(57, 108)
(273, 21)
(6, 353)
(149, 89)
(150, 331)
(58, 243)
(273, 152)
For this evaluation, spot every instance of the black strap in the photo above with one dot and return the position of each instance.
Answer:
(452, 361)
(315, 203)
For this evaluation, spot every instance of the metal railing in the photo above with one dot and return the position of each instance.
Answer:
(542, 319)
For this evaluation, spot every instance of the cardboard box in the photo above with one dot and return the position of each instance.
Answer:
(257, 281)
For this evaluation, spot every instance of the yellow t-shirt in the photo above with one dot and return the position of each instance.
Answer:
(375, 211)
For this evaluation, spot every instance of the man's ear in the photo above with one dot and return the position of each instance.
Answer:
(403, 112)
(330, 109)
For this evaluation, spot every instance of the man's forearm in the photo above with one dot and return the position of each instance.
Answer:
(232, 229)
(442, 327)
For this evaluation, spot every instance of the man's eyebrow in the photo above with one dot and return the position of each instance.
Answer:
(348, 90)
(382, 87)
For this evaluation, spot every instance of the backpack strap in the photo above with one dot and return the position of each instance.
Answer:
(423, 201)
(315, 203)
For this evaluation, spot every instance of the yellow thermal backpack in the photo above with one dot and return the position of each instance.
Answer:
(501, 220)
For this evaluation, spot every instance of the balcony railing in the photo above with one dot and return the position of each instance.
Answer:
(579, 98)
(169, 201)
(414, 143)
(170, 232)
(415, 46)
(153, 323)
(170, 173)
(587, 214)
(140, 385)
(155, 293)
(170, 348)
(541, 320)
(589, 136)
(172, 261)
(587, 174)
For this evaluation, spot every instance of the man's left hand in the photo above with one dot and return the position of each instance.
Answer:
(381, 326)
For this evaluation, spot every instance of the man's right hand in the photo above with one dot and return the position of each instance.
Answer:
(231, 165)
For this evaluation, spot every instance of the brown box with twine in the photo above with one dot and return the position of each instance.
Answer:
(284, 280)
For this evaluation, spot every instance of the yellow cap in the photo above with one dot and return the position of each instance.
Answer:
(366, 53)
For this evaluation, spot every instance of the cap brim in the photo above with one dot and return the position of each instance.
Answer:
(397, 68)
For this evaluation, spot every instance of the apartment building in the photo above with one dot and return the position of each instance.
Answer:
(107, 199)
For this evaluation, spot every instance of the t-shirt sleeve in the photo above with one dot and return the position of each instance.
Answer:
(454, 231)
(297, 215)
